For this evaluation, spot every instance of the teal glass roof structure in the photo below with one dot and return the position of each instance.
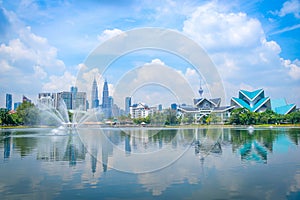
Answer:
(241, 102)
(251, 100)
(281, 107)
(251, 95)
(256, 101)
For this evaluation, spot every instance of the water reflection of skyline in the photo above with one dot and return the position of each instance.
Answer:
(252, 147)
(97, 156)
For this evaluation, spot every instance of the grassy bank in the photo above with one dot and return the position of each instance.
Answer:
(232, 126)
(22, 127)
(178, 126)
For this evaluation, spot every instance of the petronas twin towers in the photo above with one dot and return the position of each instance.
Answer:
(106, 105)
(94, 98)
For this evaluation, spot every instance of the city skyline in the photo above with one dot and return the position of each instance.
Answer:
(253, 45)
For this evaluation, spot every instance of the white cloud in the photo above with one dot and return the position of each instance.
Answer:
(217, 30)
(107, 34)
(156, 61)
(286, 29)
(290, 7)
(5, 67)
(26, 60)
(39, 72)
(29, 50)
(145, 81)
(239, 47)
(60, 83)
(293, 67)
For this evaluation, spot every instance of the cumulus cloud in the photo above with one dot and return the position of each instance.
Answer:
(26, 60)
(28, 51)
(107, 34)
(60, 83)
(216, 30)
(239, 47)
(290, 7)
(293, 67)
(154, 83)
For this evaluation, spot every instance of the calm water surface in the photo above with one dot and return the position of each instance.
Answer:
(150, 163)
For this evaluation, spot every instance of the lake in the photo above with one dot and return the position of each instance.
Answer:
(147, 163)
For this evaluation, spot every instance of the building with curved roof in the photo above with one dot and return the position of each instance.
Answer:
(256, 101)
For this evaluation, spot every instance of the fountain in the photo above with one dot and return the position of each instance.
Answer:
(60, 117)
(56, 117)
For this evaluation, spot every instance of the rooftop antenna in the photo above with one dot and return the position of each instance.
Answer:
(200, 90)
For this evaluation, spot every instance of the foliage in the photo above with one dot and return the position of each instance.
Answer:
(28, 114)
(6, 118)
(70, 115)
(243, 116)
(140, 120)
(171, 117)
(158, 118)
(293, 117)
(188, 118)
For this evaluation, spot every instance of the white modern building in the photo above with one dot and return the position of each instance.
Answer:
(140, 110)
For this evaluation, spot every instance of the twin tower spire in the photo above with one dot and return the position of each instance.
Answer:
(106, 102)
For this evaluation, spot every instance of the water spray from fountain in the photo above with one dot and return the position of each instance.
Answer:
(63, 118)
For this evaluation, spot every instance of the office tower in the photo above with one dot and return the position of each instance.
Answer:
(159, 107)
(47, 99)
(94, 98)
(74, 91)
(106, 101)
(127, 105)
(66, 97)
(16, 105)
(173, 106)
(8, 101)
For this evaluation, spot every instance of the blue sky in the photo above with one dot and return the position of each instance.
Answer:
(253, 45)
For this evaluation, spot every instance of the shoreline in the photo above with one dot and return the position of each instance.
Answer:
(170, 126)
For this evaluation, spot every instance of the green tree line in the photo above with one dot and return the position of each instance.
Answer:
(26, 114)
(243, 116)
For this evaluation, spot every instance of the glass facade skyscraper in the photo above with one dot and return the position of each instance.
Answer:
(127, 105)
(106, 102)
(8, 101)
(94, 97)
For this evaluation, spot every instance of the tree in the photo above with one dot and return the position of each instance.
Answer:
(6, 118)
(28, 113)
(293, 117)
(215, 118)
(171, 117)
(188, 118)
(239, 116)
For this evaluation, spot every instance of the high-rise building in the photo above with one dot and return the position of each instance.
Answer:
(105, 95)
(94, 98)
(173, 106)
(74, 91)
(106, 101)
(73, 99)
(16, 105)
(116, 112)
(79, 101)
(47, 99)
(66, 97)
(127, 105)
(87, 105)
(141, 110)
(8, 101)
(159, 107)
(25, 99)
